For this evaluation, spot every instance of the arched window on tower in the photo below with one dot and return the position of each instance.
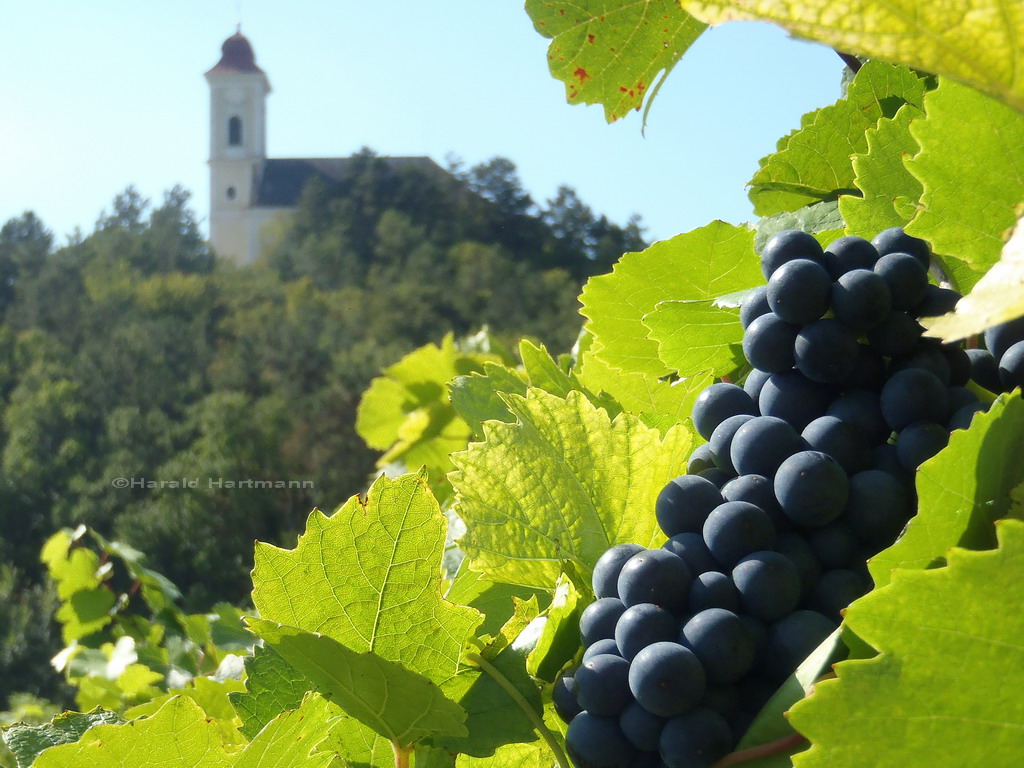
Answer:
(235, 131)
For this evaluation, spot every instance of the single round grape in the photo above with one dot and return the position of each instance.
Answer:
(912, 395)
(868, 372)
(641, 625)
(563, 696)
(862, 409)
(721, 642)
(717, 403)
(700, 459)
(985, 369)
(786, 246)
(735, 529)
(685, 503)
(601, 646)
(761, 445)
(666, 679)
(598, 742)
(721, 440)
(754, 305)
(841, 440)
(848, 254)
(895, 240)
(835, 590)
(694, 552)
(811, 488)
(769, 585)
(606, 570)
(860, 299)
(826, 351)
(753, 383)
(928, 358)
(791, 640)
(898, 334)
(602, 685)
(794, 398)
(1000, 338)
(655, 576)
(768, 343)
(919, 441)
(1011, 367)
(835, 546)
(959, 364)
(906, 278)
(759, 491)
(964, 415)
(641, 728)
(798, 291)
(937, 301)
(697, 739)
(798, 551)
(597, 622)
(713, 589)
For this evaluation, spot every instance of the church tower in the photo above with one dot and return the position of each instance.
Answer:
(238, 147)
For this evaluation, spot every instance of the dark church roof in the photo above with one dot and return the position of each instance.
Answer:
(283, 180)
(236, 55)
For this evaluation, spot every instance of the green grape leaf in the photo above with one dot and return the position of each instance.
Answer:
(212, 696)
(971, 165)
(890, 192)
(611, 52)
(399, 704)
(27, 741)
(814, 164)
(975, 43)
(294, 739)
(996, 298)
(560, 636)
(822, 220)
(475, 397)
(272, 686)
(369, 577)
(704, 264)
(177, 736)
(697, 336)
(360, 747)
(945, 688)
(962, 490)
(560, 486)
(532, 755)
(492, 599)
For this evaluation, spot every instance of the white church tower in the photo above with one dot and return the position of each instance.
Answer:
(238, 148)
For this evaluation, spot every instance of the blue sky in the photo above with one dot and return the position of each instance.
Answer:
(100, 95)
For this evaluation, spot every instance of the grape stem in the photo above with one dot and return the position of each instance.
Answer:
(761, 750)
(517, 697)
(401, 755)
(851, 61)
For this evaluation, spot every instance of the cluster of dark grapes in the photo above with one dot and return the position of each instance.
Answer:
(999, 365)
(807, 472)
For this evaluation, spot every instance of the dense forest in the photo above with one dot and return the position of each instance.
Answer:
(134, 352)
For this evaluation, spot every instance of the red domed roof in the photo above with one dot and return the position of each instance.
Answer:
(237, 56)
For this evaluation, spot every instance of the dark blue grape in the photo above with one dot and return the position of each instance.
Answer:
(754, 305)
(597, 622)
(606, 570)
(721, 441)
(722, 643)
(716, 404)
(844, 442)
(895, 240)
(868, 372)
(835, 590)
(768, 343)
(791, 640)
(655, 576)
(937, 301)
(563, 696)
(826, 351)
(811, 488)
(912, 395)
(929, 358)
(849, 254)
(598, 742)
(694, 552)
(786, 246)
(769, 585)
(713, 589)
(959, 365)
(919, 441)
(601, 646)
(700, 459)
(1011, 367)
(886, 459)
(753, 383)
(794, 398)
(715, 476)
(642, 728)
(906, 278)
(798, 291)
(835, 546)
(1000, 338)
(696, 739)
(897, 335)
(685, 503)
(762, 444)
(985, 369)
(666, 679)
(863, 410)
(602, 685)
(759, 491)
(964, 415)
(640, 626)
(959, 397)
(798, 551)
(735, 529)
(860, 299)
